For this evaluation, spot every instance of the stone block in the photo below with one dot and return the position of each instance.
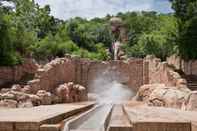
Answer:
(27, 126)
(162, 126)
(6, 127)
(47, 127)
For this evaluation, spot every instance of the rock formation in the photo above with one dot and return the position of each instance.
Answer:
(160, 95)
(165, 87)
(69, 92)
(65, 93)
(17, 73)
(191, 101)
(69, 79)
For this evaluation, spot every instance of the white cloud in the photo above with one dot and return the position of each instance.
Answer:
(65, 9)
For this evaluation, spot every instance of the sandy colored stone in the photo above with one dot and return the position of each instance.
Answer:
(4, 90)
(8, 95)
(191, 103)
(62, 92)
(45, 97)
(158, 115)
(26, 104)
(26, 89)
(16, 87)
(167, 97)
(41, 113)
(52, 127)
(10, 74)
(160, 95)
(6, 103)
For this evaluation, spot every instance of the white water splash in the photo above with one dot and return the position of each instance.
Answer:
(108, 87)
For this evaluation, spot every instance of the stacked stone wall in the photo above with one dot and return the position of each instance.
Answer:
(188, 67)
(161, 72)
(16, 73)
(83, 72)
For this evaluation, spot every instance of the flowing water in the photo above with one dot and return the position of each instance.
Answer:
(96, 119)
(109, 87)
(109, 90)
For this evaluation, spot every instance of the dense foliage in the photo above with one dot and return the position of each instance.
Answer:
(27, 30)
(186, 13)
(150, 33)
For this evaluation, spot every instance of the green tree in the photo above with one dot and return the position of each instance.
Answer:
(186, 12)
(8, 56)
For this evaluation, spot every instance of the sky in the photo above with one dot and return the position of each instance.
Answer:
(65, 9)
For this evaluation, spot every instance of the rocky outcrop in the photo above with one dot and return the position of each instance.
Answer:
(56, 72)
(16, 73)
(69, 92)
(165, 87)
(189, 67)
(45, 97)
(17, 97)
(160, 95)
(83, 72)
(161, 72)
(54, 82)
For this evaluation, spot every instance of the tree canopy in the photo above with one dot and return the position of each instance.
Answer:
(186, 13)
(28, 30)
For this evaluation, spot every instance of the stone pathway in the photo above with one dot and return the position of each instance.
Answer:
(158, 118)
(125, 117)
(30, 119)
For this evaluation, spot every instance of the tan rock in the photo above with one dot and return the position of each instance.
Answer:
(8, 103)
(63, 92)
(26, 104)
(56, 99)
(145, 91)
(82, 93)
(16, 87)
(191, 103)
(19, 96)
(160, 95)
(27, 89)
(167, 97)
(34, 85)
(45, 97)
(36, 100)
(70, 85)
(181, 82)
(5, 90)
(8, 95)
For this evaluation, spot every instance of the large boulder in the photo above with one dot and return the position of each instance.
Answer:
(160, 95)
(70, 92)
(167, 97)
(63, 92)
(45, 97)
(144, 91)
(81, 92)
